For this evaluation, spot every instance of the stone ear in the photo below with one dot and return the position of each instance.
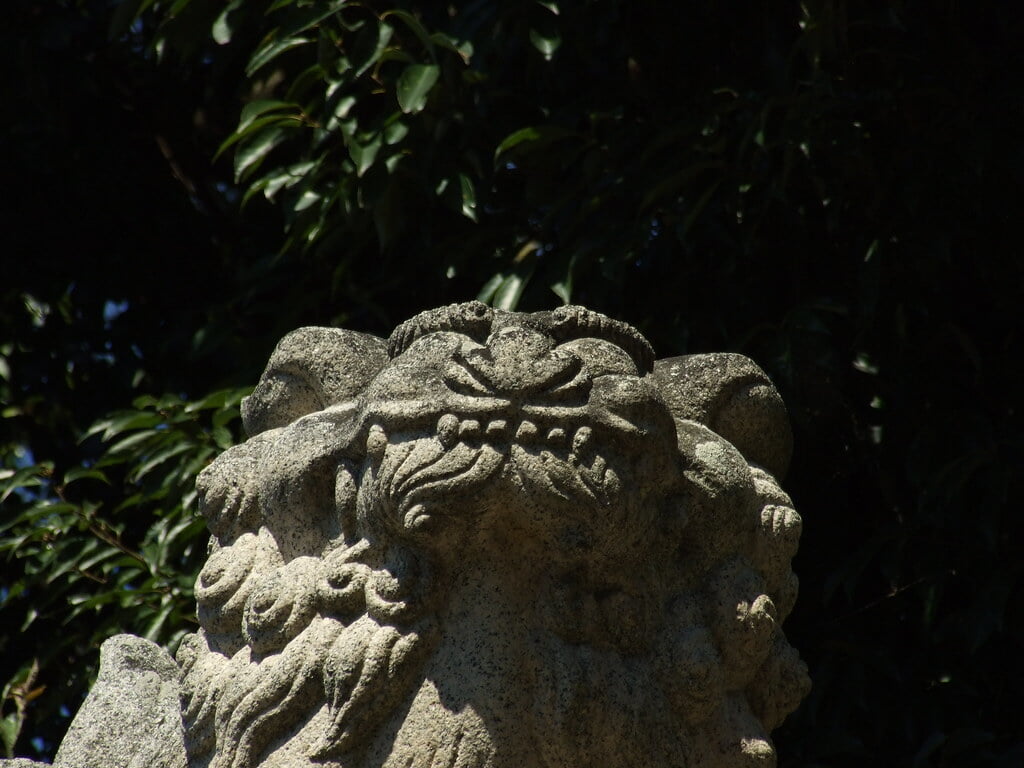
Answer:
(730, 394)
(309, 370)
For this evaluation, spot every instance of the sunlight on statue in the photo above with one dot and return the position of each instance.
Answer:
(496, 540)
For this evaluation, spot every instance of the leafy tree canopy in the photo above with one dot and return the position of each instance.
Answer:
(828, 187)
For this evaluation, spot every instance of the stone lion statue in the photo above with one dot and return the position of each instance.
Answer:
(496, 540)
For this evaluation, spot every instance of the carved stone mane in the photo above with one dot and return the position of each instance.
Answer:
(496, 540)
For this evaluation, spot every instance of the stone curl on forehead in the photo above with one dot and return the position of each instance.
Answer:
(472, 318)
(477, 320)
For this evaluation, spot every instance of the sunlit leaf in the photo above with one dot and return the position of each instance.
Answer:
(252, 153)
(26, 477)
(10, 727)
(546, 42)
(79, 473)
(161, 456)
(222, 29)
(310, 17)
(414, 86)
(395, 129)
(468, 197)
(464, 48)
(532, 136)
(370, 47)
(489, 288)
(272, 50)
(123, 421)
(125, 445)
(507, 295)
(255, 109)
(363, 151)
(217, 399)
(415, 25)
(563, 288)
(153, 629)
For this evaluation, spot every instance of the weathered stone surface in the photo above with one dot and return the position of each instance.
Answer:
(733, 396)
(499, 540)
(309, 369)
(132, 716)
(496, 540)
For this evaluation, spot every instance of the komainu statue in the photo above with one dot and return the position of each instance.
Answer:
(496, 540)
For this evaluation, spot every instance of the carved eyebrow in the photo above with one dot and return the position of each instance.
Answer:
(575, 322)
(472, 318)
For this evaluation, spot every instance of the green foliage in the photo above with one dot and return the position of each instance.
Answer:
(19, 691)
(827, 187)
(112, 545)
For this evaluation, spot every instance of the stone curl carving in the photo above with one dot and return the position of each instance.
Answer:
(496, 540)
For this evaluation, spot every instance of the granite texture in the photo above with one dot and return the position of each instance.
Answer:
(496, 540)
(131, 717)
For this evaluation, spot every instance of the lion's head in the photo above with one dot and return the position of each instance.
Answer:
(497, 539)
